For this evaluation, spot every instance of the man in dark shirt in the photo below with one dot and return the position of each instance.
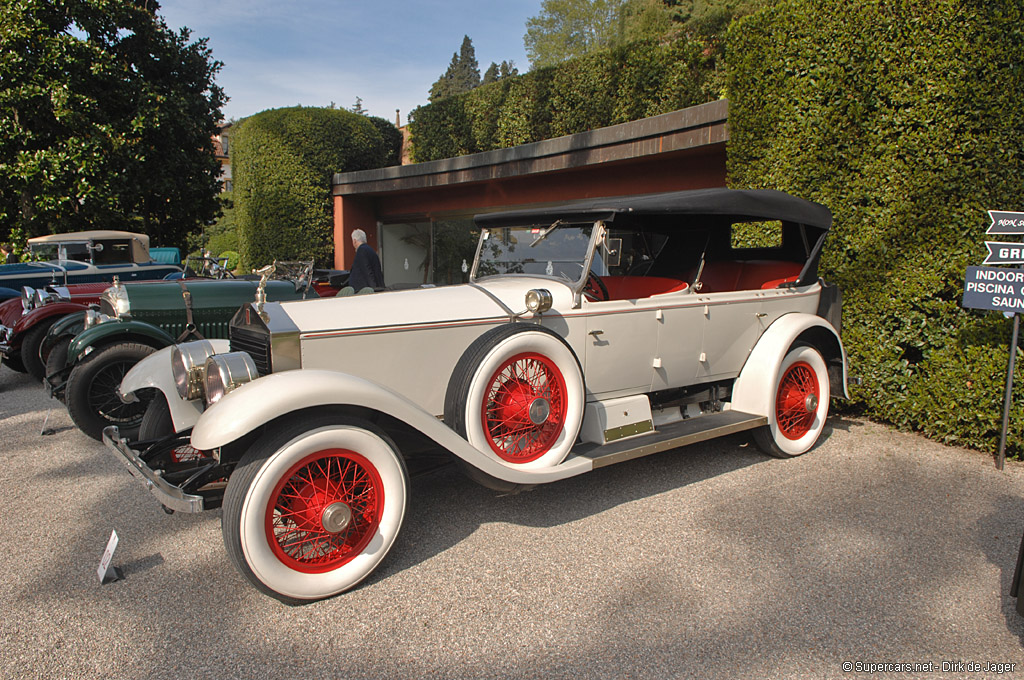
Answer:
(365, 271)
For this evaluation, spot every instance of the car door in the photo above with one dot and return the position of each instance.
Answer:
(621, 345)
(732, 323)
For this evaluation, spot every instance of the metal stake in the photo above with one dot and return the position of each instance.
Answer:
(1001, 459)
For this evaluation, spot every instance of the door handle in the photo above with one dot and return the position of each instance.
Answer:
(596, 333)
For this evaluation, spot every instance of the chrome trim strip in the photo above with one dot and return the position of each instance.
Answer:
(168, 494)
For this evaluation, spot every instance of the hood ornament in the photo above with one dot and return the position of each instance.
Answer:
(261, 290)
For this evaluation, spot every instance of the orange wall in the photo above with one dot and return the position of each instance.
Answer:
(355, 212)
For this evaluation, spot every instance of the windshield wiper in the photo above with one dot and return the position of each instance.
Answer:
(544, 234)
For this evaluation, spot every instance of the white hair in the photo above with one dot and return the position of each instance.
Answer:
(359, 236)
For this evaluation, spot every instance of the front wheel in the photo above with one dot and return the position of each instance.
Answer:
(92, 394)
(799, 405)
(314, 507)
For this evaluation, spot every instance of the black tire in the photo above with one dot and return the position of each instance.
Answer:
(298, 556)
(91, 393)
(156, 421)
(57, 360)
(494, 387)
(30, 346)
(13, 362)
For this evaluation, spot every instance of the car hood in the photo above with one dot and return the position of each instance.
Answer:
(492, 298)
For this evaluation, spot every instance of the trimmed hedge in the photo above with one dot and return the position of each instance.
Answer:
(283, 161)
(904, 118)
(637, 80)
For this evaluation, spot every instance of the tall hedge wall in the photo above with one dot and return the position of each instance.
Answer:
(282, 163)
(635, 81)
(905, 118)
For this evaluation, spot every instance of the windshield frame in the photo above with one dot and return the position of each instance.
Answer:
(596, 236)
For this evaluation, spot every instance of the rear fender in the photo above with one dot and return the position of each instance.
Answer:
(117, 330)
(278, 394)
(155, 372)
(753, 390)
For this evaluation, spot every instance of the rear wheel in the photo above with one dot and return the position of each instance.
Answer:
(312, 509)
(92, 395)
(799, 405)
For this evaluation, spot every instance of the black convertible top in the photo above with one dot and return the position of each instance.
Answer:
(745, 204)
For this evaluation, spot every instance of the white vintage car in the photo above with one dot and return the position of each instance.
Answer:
(588, 334)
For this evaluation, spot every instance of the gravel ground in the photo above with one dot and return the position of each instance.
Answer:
(708, 561)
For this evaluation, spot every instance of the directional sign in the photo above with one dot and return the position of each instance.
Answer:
(1005, 222)
(995, 289)
(1004, 253)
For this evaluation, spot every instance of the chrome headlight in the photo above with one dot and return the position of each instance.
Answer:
(94, 317)
(538, 300)
(28, 295)
(116, 298)
(187, 365)
(226, 372)
(42, 297)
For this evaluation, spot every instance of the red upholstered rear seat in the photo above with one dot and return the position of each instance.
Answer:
(719, 277)
(635, 287)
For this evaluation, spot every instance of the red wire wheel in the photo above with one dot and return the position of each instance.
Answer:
(524, 407)
(796, 402)
(324, 511)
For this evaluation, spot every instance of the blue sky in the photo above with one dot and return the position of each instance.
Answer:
(313, 52)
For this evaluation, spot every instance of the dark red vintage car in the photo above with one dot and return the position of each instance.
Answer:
(25, 321)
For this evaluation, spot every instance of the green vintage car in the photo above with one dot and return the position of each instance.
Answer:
(133, 321)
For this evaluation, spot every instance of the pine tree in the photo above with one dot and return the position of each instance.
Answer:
(463, 73)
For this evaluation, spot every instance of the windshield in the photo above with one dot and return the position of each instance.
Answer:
(558, 250)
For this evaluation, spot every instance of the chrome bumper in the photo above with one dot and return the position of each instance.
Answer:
(168, 494)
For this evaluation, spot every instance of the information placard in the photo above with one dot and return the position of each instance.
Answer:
(1004, 222)
(994, 289)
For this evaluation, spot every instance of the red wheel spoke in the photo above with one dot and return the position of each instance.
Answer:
(796, 401)
(295, 516)
(512, 391)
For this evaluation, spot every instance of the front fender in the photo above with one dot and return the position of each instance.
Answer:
(71, 324)
(754, 389)
(41, 314)
(254, 404)
(155, 372)
(117, 329)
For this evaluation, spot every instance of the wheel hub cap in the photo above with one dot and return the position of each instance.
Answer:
(336, 517)
(540, 409)
(811, 403)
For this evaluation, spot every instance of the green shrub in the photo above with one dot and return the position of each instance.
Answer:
(233, 257)
(283, 162)
(637, 80)
(904, 118)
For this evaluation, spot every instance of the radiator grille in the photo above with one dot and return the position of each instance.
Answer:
(255, 342)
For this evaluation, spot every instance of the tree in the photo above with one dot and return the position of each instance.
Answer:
(106, 120)
(496, 72)
(463, 73)
(566, 29)
(358, 107)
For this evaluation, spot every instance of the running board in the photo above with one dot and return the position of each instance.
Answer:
(670, 436)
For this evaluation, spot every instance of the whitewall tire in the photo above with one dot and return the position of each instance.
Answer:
(799, 405)
(517, 395)
(313, 509)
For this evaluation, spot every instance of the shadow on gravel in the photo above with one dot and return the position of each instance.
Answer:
(446, 507)
(1001, 549)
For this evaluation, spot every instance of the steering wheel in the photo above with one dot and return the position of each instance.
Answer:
(595, 290)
